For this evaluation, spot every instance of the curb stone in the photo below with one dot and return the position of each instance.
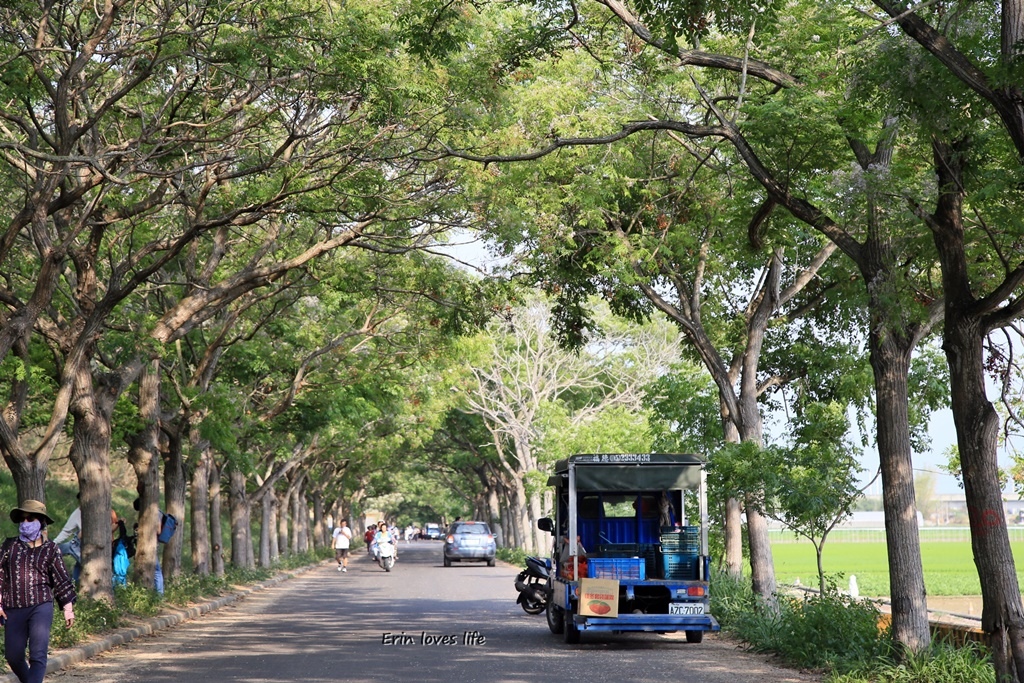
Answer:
(169, 616)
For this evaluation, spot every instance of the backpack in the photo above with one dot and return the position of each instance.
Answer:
(120, 562)
(168, 524)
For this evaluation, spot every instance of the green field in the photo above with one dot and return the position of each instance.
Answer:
(948, 566)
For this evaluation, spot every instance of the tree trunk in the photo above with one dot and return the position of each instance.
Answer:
(200, 507)
(821, 567)
(733, 510)
(144, 458)
(283, 515)
(92, 410)
(762, 567)
(891, 364)
(29, 475)
(275, 548)
(1002, 616)
(320, 532)
(506, 521)
(239, 504)
(250, 551)
(733, 537)
(266, 527)
(494, 512)
(302, 519)
(536, 535)
(520, 519)
(295, 512)
(174, 504)
(977, 425)
(216, 533)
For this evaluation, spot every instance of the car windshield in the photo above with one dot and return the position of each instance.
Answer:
(471, 529)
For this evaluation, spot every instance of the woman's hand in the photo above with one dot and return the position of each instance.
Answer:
(69, 615)
(3, 617)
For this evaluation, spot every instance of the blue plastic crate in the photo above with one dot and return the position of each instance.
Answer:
(684, 541)
(633, 568)
(678, 566)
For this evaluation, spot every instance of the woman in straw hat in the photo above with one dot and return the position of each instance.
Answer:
(32, 575)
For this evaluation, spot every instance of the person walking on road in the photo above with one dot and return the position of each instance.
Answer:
(342, 541)
(368, 537)
(32, 576)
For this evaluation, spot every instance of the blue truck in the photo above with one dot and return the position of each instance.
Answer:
(627, 512)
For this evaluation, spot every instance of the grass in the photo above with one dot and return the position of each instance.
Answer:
(948, 567)
(941, 663)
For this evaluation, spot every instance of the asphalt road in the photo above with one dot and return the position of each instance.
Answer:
(421, 622)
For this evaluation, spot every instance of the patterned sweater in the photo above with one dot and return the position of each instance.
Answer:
(31, 576)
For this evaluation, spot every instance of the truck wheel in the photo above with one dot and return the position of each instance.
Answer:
(694, 636)
(556, 617)
(570, 633)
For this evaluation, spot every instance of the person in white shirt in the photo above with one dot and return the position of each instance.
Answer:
(342, 541)
(69, 541)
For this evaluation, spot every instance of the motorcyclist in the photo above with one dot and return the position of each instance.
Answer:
(383, 536)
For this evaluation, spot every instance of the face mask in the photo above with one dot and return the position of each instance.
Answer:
(30, 530)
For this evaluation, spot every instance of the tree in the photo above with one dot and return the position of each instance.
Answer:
(524, 377)
(203, 154)
(808, 485)
(786, 127)
(976, 60)
(326, 374)
(648, 228)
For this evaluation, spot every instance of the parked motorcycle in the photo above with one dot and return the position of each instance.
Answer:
(386, 555)
(532, 584)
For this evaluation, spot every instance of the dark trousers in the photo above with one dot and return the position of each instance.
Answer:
(28, 626)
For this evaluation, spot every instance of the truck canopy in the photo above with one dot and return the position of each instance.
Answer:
(614, 472)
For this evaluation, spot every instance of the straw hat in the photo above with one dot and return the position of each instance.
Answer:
(32, 507)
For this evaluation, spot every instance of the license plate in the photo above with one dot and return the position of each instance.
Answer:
(686, 608)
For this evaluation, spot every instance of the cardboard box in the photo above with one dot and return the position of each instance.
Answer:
(599, 597)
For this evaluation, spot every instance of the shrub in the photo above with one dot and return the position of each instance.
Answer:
(188, 588)
(829, 630)
(840, 635)
(731, 598)
(91, 616)
(516, 556)
(134, 599)
(821, 631)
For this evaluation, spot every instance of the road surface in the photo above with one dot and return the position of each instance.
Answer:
(421, 622)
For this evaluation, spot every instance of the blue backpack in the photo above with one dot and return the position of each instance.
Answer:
(168, 523)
